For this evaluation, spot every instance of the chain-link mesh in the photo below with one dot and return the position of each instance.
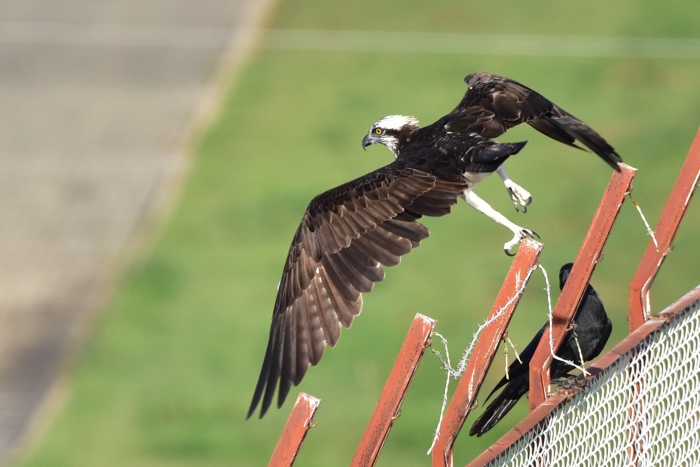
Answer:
(642, 411)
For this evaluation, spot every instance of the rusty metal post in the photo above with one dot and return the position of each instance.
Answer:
(588, 255)
(465, 395)
(386, 410)
(687, 182)
(295, 430)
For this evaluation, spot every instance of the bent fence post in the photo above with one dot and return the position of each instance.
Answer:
(462, 402)
(295, 430)
(671, 217)
(618, 187)
(387, 408)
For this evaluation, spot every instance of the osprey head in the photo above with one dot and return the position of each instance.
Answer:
(393, 132)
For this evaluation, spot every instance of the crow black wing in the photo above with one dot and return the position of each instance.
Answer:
(345, 236)
(592, 328)
(493, 104)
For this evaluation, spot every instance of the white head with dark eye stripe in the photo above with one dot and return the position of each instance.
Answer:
(394, 132)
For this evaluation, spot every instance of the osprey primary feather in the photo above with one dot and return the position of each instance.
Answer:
(350, 231)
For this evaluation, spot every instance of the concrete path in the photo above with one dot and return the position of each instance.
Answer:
(98, 103)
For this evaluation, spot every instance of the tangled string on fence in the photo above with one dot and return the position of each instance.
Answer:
(456, 373)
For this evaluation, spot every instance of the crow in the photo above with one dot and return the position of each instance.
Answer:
(591, 327)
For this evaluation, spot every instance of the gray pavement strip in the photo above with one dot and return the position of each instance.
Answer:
(95, 125)
(114, 34)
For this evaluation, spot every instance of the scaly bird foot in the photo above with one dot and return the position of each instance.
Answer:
(517, 238)
(570, 382)
(520, 196)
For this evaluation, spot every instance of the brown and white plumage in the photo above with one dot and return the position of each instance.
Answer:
(349, 232)
(493, 104)
(345, 236)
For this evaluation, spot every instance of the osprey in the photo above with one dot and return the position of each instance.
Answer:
(349, 232)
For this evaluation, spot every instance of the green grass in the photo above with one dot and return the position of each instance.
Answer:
(167, 375)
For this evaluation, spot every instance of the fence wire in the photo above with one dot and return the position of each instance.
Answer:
(642, 410)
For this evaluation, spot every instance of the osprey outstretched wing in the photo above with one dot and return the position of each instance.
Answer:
(345, 236)
(493, 104)
(349, 232)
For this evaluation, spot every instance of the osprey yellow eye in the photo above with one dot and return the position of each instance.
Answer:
(379, 131)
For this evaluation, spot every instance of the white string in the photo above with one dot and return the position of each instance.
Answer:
(456, 373)
(551, 338)
(450, 372)
(646, 224)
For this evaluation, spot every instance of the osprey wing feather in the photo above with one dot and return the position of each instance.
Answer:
(493, 104)
(345, 236)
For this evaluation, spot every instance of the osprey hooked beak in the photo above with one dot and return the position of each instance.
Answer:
(367, 141)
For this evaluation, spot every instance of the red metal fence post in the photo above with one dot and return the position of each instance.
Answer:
(687, 182)
(295, 430)
(484, 351)
(588, 255)
(384, 414)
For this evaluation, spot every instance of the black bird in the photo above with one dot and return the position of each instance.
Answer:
(348, 232)
(592, 328)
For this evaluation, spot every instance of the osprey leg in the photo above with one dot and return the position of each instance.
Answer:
(483, 207)
(520, 196)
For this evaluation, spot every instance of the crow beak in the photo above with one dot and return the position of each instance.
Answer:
(563, 277)
(366, 141)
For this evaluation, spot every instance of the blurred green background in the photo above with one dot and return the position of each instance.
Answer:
(167, 376)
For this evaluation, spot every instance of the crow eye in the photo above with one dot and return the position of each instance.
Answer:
(378, 131)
